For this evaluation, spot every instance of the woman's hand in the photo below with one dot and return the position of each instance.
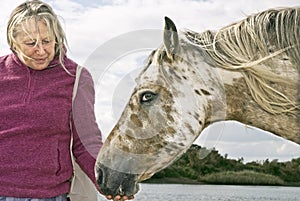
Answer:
(119, 198)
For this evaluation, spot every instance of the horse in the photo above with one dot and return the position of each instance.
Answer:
(246, 71)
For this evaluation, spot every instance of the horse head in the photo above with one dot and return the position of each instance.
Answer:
(170, 105)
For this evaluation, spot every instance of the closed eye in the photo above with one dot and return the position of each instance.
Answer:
(45, 42)
(147, 97)
(31, 44)
(34, 43)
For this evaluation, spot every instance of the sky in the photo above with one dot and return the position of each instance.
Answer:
(116, 30)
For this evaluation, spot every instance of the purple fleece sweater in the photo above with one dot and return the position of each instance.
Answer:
(35, 108)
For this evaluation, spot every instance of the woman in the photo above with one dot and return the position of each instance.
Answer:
(36, 85)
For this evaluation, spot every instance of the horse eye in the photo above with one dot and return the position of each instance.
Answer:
(147, 97)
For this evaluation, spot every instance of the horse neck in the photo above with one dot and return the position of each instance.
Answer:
(242, 107)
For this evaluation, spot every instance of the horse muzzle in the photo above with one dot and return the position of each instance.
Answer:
(112, 182)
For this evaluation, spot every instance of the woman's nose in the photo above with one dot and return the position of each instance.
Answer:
(40, 48)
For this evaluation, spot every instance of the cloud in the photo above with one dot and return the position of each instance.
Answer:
(88, 27)
(237, 132)
(239, 140)
(259, 151)
(106, 21)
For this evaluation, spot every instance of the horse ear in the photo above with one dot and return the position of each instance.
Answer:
(170, 38)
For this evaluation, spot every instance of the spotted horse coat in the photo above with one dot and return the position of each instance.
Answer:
(195, 79)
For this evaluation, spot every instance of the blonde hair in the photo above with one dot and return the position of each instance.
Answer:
(39, 11)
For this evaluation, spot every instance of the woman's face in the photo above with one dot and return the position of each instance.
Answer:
(36, 47)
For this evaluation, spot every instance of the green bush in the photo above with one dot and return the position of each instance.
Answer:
(245, 177)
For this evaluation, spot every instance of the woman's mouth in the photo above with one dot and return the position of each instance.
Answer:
(40, 61)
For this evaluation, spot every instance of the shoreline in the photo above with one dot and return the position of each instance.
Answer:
(183, 180)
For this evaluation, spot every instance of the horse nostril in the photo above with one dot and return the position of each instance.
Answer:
(100, 176)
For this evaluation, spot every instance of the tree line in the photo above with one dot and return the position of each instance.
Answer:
(199, 165)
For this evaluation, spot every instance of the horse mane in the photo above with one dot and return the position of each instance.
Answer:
(250, 46)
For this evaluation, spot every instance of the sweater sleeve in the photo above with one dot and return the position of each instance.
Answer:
(87, 139)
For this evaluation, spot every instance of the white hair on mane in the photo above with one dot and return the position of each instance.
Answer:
(249, 46)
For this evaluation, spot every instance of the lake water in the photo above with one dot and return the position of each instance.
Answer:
(178, 192)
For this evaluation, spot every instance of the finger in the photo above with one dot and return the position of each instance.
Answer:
(128, 197)
(117, 198)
